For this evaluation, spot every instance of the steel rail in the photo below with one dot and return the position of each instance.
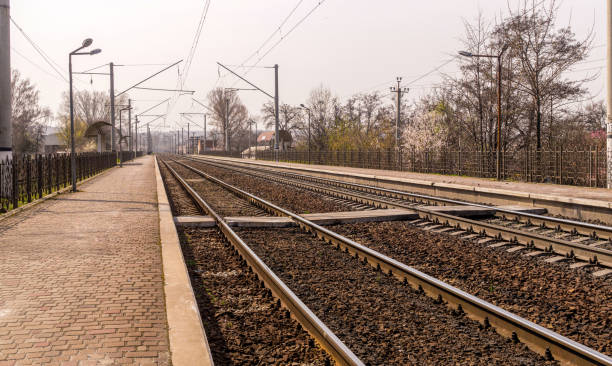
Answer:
(583, 252)
(309, 321)
(536, 337)
(584, 228)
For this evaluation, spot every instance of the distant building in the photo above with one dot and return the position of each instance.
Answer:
(52, 141)
(267, 138)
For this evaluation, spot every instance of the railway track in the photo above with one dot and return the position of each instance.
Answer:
(313, 325)
(558, 239)
(537, 338)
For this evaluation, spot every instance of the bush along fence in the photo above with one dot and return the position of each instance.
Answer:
(25, 178)
(582, 167)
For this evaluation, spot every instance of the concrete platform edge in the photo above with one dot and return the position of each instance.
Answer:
(188, 342)
(578, 208)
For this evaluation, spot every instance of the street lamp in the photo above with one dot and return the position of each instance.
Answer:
(499, 91)
(86, 43)
(308, 109)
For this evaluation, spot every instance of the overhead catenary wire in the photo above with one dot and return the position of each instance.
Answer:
(36, 65)
(276, 30)
(194, 45)
(40, 51)
(182, 79)
(283, 37)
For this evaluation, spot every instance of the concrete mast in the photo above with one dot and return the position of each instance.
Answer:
(6, 137)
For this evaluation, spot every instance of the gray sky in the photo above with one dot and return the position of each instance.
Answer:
(349, 46)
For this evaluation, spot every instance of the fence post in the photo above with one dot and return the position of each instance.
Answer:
(15, 182)
(29, 178)
(460, 166)
(49, 174)
(39, 173)
(596, 167)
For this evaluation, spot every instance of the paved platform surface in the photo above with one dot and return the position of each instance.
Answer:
(538, 188)
(81, 276)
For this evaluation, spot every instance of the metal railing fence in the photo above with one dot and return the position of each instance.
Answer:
(580, 167)
(25, 178)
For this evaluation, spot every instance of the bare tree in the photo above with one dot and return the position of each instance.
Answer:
(544, 53)
(323, 105)
(227, 104)
(28, 118)
(290, 118)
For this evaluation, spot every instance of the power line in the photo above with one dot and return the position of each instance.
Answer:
(95, 68)
(35, 64)
(277, 30)
(42, 53)
(283, 37)
(286, 34)
(194, 45)
(433, 70)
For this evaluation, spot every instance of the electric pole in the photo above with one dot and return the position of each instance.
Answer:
(609, 100)
(112, 106)
(130, 126)
(136, 135)
(204, 133)
(276, 111)
(183, 141)
(250, 133)
(149, 150)
(399, 90)
(225, 129)
(188, 140)
(6, 137)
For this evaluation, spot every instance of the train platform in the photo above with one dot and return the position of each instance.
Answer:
(81, 277)
(570, 201)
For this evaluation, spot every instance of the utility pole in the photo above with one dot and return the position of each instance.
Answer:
(183, 141)
(188, 140)
(149, 150)
(399, 90)
(250, 133)
(609, 99)
(136, 135)
(130, 126)
(6, 137)
(276, 111)
(225, 129)
(112, 106)
(205, 132)
(178, 141)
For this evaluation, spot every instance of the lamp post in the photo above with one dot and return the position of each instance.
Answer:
(86, 43)
(308, 109)
(499, 114)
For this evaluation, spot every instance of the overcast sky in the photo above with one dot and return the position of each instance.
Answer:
(349, 46)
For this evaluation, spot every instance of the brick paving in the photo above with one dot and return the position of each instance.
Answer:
(81, 276)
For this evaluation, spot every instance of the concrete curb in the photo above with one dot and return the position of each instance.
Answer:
(188, 343)
(579, 208)
(28, 206)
